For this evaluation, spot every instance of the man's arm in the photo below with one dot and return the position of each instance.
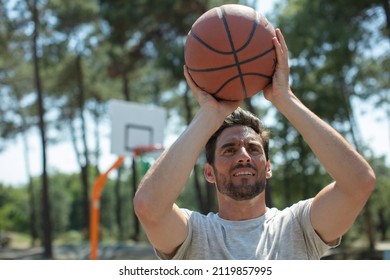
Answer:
(335, 207)
(154, 202)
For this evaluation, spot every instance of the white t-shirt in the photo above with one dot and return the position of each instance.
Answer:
(278, 234)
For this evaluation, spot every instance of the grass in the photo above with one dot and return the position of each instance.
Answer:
(19, 240)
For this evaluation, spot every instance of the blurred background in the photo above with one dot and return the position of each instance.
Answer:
(62, 61)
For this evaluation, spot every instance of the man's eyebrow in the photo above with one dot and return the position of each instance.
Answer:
(227, 145)
(255, 143)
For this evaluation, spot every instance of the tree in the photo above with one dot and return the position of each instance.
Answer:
(76, 21)
(16, 118)
(47, 228)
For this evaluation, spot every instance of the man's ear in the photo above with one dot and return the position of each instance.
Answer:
(268, 174)
(209, 173)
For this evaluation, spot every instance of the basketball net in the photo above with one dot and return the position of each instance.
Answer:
(147, 155)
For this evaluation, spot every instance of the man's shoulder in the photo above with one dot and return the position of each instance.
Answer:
(297, 209)
(194, 214)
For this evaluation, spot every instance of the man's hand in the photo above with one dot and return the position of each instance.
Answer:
(280, 82)
(207, 101)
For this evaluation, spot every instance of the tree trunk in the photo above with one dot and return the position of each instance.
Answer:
(386, 8)
(46, 220)
(136, 235)
(286, 168)
(133, 184)
(201, 201)
(268, 196)
(125, 86)
(84, 166)
(302, 162)
(382, 223)
(118, 208)
(97, 138)
(211, 197)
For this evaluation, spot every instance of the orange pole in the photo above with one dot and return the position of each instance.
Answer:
(95, 209)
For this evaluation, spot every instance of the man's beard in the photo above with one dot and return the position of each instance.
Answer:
(243, 191)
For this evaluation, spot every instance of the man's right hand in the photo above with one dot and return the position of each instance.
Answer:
(221, 108)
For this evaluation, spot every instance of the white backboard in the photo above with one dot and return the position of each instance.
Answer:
(134, 125)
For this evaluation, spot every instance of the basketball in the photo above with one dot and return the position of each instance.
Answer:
(229, 52)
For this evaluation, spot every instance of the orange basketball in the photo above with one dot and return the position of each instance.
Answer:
(229, 52)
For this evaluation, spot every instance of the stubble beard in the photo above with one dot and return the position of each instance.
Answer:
(240, 192)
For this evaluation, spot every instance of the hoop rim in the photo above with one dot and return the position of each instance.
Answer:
(142, 149)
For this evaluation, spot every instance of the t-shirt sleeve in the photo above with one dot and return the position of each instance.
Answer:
(183, 247)
(317, 246)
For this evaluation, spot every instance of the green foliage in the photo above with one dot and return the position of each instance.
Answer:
(13, 209)
(381, 197)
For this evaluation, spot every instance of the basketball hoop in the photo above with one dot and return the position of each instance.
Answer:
(135, 127)
(143, 149)
(146, 155)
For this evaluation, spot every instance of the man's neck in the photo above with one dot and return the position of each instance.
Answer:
(230, 209)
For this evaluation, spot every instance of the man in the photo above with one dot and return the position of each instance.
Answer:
(238, 164)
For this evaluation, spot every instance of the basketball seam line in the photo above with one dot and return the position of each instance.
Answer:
(234, 51)
(232, 65)
(232, 78)
(250, 36)
(193, 34)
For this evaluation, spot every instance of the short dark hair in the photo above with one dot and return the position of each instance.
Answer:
(238, 117)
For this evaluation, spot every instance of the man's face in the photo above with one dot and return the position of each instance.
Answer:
(240, 168)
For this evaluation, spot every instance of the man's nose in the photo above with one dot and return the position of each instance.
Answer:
(243, 155)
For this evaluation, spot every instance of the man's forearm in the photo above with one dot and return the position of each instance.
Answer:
(337, 156)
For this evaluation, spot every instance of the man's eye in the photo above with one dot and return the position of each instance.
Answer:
(229, 151)
(255, 150)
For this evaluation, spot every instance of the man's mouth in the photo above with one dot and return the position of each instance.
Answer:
(243, 173)
(244, 170)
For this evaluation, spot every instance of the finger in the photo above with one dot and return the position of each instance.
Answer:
(277, 45)
(281, 40)
(189, 79)
(280, 48)
(186, 74)
(197, 92)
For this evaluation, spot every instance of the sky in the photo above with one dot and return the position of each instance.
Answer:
(372, 124)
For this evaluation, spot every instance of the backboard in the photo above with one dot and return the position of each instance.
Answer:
(134, 125)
